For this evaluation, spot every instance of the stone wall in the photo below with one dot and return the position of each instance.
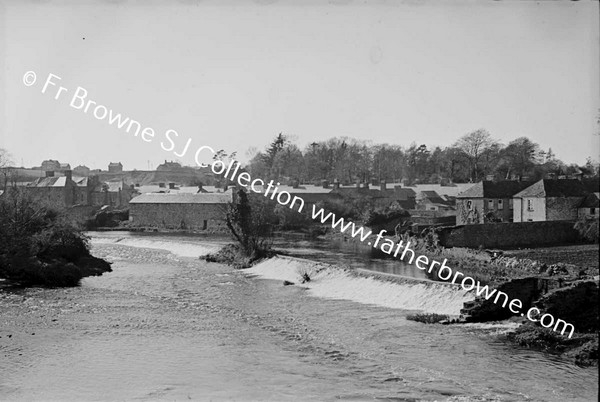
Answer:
(509, 235)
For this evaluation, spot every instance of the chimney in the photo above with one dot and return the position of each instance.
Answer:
(325, 183)
(296, 184)
(200, 187)
(49, 173)
(171, 186)
(69, 174)
(382, 186)
(336, 184)
(161, 185)
(374, 181)
(366, 185)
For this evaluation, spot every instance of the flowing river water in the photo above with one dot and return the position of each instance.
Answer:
(165, 325)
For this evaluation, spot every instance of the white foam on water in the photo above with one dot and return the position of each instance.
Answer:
(334, 283)
(177, 247)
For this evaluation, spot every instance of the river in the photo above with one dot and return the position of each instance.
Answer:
(165, 325)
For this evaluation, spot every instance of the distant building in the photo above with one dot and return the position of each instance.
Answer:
(97, 193)
(487, 201)
(169, 167)
(432, 201)
(81, 171)
(380, 197)
(549, 200)
(197, 211)
(51, 165)
(57, 191)
(115, 167)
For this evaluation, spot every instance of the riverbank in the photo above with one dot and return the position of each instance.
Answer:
(555, 286)
(214, 332)
(40, 246)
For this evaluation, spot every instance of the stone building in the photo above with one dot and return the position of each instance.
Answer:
(81, 171)
(57, 191)
(51, 165)
(169, 167)
(196, 211)
(431, 201)
(549, 200)
(488, 201)
(115, 167)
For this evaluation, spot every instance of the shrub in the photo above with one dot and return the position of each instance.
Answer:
(38, 245)
(428, 318)
(250, 222)
(588, 229)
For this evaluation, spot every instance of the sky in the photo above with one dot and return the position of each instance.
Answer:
(233, 74)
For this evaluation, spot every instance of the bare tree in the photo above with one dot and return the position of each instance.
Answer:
(474, 145)
(5, 167)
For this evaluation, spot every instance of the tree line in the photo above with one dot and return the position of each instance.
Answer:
(473, 157)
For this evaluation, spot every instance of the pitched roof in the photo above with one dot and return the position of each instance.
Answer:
(495, 189)
(182, 198)
(590, 201)
(554, 188)
(60, 181)
(432, 197)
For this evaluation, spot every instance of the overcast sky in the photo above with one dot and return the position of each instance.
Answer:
(232, 75)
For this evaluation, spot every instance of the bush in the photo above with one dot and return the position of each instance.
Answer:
(428, 318)
(250, 222)
(38, 245)
(291, 219)
(588, 229)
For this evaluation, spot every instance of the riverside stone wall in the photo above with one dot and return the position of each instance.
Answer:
(507, 235)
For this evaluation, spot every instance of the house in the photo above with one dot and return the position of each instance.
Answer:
(379, 197)
(196, 211)
(432, 201)
(169, 167)
(115, 167)
(549, 200)
(97, 193)
(588, 209)
(57, 191)
(488, 201)
(51, 165)
(81, 171)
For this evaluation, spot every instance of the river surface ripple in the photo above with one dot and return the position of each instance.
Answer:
(166, 326)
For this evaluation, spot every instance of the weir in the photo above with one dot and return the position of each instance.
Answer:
(366, 287)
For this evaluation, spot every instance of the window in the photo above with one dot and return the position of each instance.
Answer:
(592, 211)
(469, 205)
(500, 204)
(490, 204)
(530, 205)
(510, 203)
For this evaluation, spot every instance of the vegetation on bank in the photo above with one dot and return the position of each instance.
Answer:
(40, 247)
(582, 348)
(251, 226)
(428, 318)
